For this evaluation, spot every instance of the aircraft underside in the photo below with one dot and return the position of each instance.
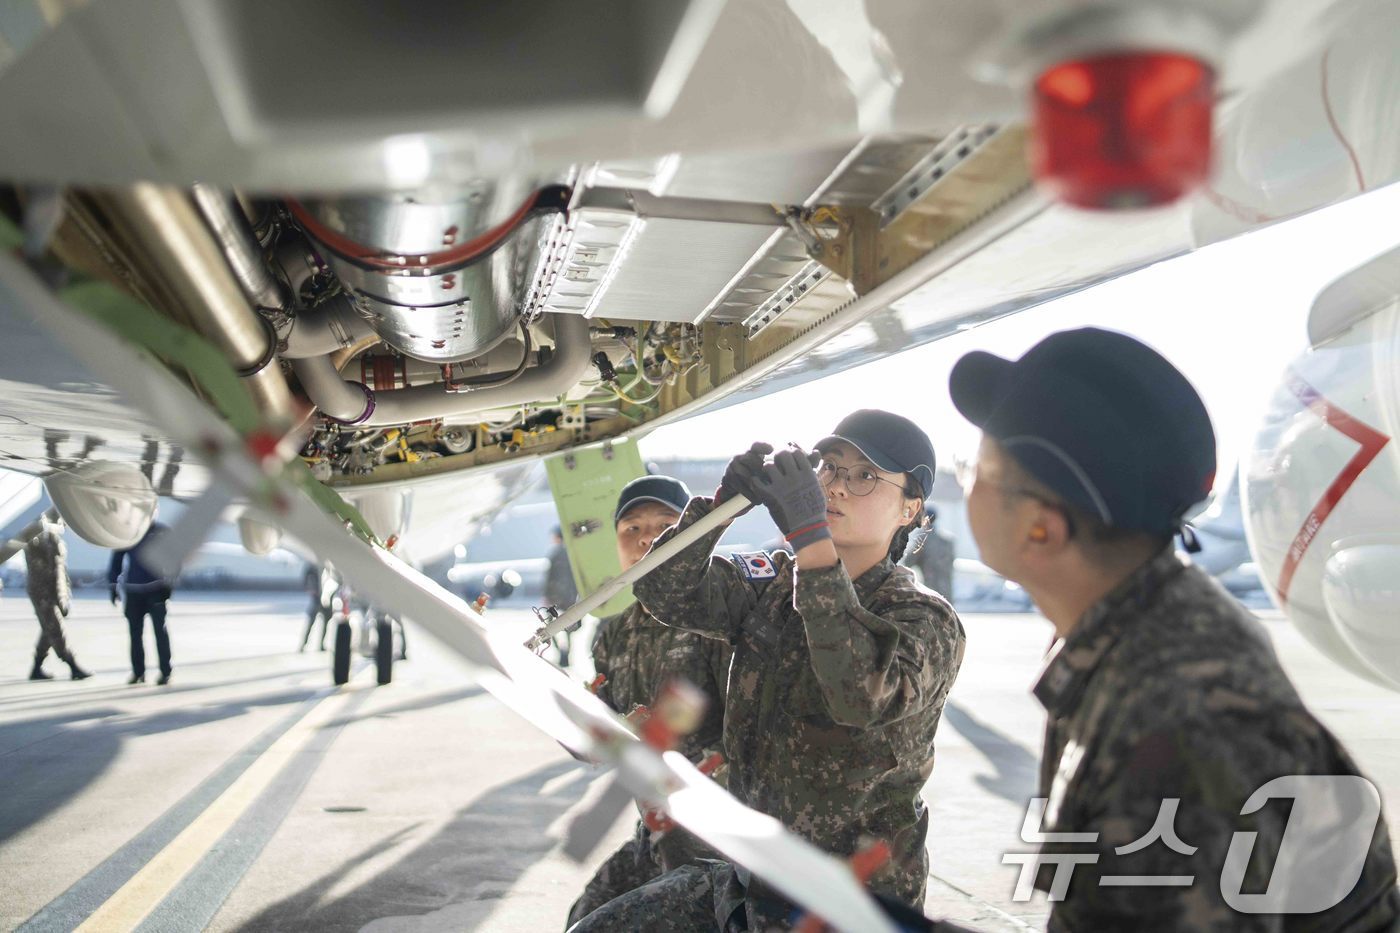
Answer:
(465, 281)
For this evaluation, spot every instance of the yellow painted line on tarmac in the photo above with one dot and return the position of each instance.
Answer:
(135, 900)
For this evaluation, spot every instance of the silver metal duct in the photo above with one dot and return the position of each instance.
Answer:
(332, 325)
(231, 228)
(352, 403)
(440, 279)
(194, 269)
(349, 402)
(335, 324)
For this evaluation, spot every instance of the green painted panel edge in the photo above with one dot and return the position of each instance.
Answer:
(586, 483)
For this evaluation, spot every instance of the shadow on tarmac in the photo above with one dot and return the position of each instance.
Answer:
(461, 872)
(423, 702)
(47, 762)
(1017, 768)
(59, 671)
(149, 689)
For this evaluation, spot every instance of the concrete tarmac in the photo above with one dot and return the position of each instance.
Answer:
(248, 795)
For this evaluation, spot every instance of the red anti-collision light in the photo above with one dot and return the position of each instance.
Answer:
(1124, 130)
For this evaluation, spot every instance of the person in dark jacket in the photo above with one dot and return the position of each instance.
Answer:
(146, 593)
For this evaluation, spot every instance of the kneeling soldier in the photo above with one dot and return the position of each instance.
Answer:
(637, 656)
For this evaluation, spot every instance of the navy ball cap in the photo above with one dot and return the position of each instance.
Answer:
(667, 490)
(891, 442)
(1102, 419)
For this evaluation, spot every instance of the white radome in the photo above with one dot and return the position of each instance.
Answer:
(1322, 485)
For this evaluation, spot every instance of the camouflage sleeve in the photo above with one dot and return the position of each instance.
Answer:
(1165, 807)
(64, 584)
(877, 668)
(705, 663)
(603, 660)
(696, 590)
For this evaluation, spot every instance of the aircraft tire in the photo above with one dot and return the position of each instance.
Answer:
(384, 651)
(340, 668)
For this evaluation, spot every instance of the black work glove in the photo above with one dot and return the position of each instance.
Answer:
(112, 594)
(738, 474)
(788, 487)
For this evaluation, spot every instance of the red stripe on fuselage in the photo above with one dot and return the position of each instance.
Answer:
(1371, 442)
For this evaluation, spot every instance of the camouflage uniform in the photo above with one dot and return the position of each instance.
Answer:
(638, 655)
(1168, 688)
(46, 564)
(836, 690)
(684, 899)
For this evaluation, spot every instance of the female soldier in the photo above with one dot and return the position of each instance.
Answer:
(841, 666)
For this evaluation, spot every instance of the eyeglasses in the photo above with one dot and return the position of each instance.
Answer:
(968, 476)
(860, 480)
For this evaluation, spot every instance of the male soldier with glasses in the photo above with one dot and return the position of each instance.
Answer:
(1160, 687)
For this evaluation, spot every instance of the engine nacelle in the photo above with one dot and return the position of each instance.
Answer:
(258, 537)
(1322, 485)
(106, 503)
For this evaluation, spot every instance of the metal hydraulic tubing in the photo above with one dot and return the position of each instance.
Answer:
(332, 325)
(348, 401)
(572, 357)
(724, 513)
(336, 398)
(165, 224)
(240, 246)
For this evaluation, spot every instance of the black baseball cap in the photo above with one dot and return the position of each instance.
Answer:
(1100, 418)
(891, 442)
(667, 490)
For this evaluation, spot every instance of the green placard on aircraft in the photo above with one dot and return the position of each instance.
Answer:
(586, 483)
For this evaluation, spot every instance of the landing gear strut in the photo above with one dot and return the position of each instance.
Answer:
(384, 650)
(340, 665)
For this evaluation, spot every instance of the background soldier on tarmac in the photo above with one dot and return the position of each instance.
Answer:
(841, 666)
(321, 586)
(934, 555)
(638, 656)
(559, 588)
(46, 568)
(1160, 686)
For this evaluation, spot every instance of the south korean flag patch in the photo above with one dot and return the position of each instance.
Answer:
(755, 565)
